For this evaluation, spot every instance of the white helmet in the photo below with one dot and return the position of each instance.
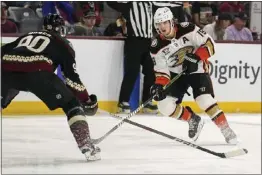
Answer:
(162, 15)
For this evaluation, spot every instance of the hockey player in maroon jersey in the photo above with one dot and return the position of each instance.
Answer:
(28, 64)
(186, 47)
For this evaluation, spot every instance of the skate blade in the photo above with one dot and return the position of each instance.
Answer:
(199, 129)
(233, 141)
(123, 111)
(149, 111)
(95, 157)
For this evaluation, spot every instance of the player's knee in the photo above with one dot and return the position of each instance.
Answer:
(73, 108)
(167, 106)
(205, 101)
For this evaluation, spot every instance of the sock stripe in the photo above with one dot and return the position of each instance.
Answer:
(213, 111)
(177, 112)
(76, 118)
(216, 116)
(186, 115)
(182, 112)
(210, 107)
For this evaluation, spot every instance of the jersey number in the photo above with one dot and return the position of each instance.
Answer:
(35, 44)
(201, 32)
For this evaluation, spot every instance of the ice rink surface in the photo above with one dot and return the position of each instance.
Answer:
(34, 145)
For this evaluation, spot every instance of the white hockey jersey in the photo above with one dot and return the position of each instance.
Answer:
(169, 55)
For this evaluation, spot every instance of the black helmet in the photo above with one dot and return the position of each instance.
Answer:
(55, 23)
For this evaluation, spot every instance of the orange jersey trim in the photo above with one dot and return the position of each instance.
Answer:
(162, 80)
(203, 53)
(206, 50)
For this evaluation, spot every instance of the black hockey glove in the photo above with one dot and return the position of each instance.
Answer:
(190, 63)
(90, 108)
(157, 90)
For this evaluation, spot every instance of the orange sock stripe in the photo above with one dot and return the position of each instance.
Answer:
(186, 115)
(220, 119)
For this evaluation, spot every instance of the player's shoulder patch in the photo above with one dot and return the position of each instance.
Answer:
(154, 42)
(158, 43)
(184, 24)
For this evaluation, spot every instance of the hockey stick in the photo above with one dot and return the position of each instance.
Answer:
(97, 141)
(229, 154)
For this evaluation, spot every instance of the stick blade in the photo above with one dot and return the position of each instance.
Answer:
(235, 153)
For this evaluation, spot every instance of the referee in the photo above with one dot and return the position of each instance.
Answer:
(139, 22)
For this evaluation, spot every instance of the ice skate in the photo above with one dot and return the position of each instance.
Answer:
(124, 107)
(80, 130)
(150, 108)
(230, 136)
(91, 152)
(196, 124)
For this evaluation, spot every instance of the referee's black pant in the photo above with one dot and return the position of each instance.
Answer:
(137, 52)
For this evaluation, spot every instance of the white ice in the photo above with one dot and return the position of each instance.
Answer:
(40, 144)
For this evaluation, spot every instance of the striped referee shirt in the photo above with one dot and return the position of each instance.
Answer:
(139, 15)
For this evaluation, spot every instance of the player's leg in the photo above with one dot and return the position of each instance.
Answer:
(149, 79)
(7, 95)
(171, 106)
(7, 92)
(204, 96)
(133, 54)
(53, 92)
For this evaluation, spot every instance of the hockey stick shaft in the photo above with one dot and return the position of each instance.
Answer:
(221, 155)
(97, 141)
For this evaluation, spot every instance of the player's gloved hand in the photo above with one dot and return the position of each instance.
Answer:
(90, 107)
(157, 90)
(190, 63)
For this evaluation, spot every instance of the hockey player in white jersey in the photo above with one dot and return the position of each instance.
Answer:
(186, 47)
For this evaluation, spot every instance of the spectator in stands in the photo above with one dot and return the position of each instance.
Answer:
(255, 36)
(65, 9)
(232, 7)
(204, 13)
(86, 27)
(237, 31)
(83, 6)
(117, 28)
(7, 26)
(217, 29)
(187, 10)
(177, 10)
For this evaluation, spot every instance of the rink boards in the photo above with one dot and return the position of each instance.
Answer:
(235, 70)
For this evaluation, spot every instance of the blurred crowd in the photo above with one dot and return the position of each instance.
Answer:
(222, 20)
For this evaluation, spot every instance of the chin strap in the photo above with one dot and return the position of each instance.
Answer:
(172, 31)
